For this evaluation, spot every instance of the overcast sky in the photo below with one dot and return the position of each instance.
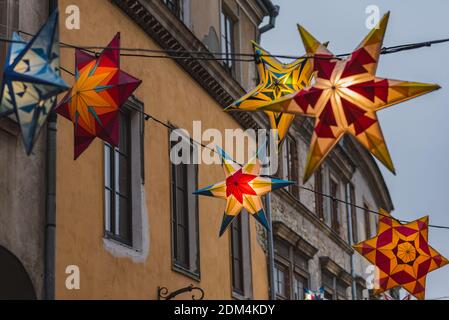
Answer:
(416, 131)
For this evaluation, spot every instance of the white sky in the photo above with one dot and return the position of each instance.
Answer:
(416, 131)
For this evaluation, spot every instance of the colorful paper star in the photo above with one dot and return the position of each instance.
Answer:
(31, 80)
(276, 80)
(345, 97)
(93, 103)
(401, 254)
(242, 188)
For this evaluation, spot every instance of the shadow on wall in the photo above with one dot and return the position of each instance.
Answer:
(15, 283)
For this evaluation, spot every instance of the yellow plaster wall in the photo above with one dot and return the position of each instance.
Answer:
(172, 96)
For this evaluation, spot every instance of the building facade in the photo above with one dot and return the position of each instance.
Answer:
(22, 180)
(126, 218)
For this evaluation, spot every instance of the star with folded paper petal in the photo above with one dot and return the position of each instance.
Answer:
(94, 101)
(242, 189)
(276, 80)
(345, 97)
(401, 254)
(31, 80)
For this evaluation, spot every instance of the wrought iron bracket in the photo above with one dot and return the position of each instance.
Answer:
(162, 292)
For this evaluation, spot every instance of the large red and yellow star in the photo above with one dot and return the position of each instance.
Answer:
(345, 97)
(94, 101)
(276, 80)
(242, 189)
(401, 254)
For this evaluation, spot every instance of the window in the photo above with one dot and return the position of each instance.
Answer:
(319, 203)
(227, 41)
(367, 221)
(335, 224)
(185, 235)
(124, 178)
(291, 271)
(281, 281)
(241, 257)
(290, 164)
(117, 166)
(334, 279)
(359, 292)
(300, 283)
(237, 255)
(9, 22)
(176, 7)
(353, 208)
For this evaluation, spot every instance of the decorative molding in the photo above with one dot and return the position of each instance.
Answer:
(170, 33)
(281, 230)
(331, 266)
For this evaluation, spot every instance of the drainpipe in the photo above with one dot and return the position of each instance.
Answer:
(348, 215)
(50, 215)
(270, 243)
(270, 248)
(273, 12)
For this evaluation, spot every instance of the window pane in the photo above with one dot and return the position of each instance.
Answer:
(299, 284)
(107, 166)
(280, 281)
(125, 219)
(124, 176)
(237, 254)
(107, 209)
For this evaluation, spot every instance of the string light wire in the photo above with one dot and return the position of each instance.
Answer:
(181, 54)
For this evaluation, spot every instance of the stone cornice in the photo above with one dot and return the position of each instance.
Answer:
(331, 266)
(170, 33)
(280, 229)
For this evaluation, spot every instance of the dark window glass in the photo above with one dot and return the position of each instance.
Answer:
(367, 222)
(118, 183)
(185, 235)
(352, 200)
(299, 284)
(9, 22)
(292, 165)
(334, 206)
(237, 255)
(281, 280)
(319, 203)
(227, 41)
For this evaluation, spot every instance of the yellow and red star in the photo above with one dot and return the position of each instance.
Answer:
(242, 189)
(276, 81)
(345, 97)
(402, 255)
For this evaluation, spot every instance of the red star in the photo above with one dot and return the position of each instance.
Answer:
(238, 185)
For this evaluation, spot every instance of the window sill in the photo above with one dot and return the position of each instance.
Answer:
(186, 272)
(122, 250)
(239, 296)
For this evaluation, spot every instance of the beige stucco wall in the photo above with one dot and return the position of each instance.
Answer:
(172, 96)
(22, 179)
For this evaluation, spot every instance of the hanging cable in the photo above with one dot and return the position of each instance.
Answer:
(148, 117)
(208, 55)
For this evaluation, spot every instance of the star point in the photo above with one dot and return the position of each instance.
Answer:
(94, 102)
(401, 254)
(345, 97)
(31, 80)
(276, 80)
(242, 189)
